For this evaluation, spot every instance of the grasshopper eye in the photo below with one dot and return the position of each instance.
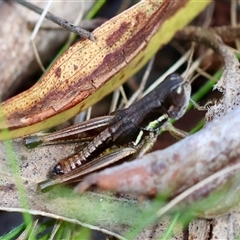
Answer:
(179, 89)
(180, 96)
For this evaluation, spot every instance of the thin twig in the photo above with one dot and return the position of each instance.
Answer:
(76, 22)
(124, 96)
(172, 69)
(57, 225)
(26, 233)
(234, 20)
(36, 54)
(197, 187)
(60, 21)
(138, 93)
(186, 74)
(34, 33)
(115, 98)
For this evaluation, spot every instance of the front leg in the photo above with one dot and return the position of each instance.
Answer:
(178, 133)
(146, 144)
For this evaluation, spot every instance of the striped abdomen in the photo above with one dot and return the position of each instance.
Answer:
(93, 149)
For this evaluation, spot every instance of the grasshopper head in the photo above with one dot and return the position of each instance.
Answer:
(179, 98)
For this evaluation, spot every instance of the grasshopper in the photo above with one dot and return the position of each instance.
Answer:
(126, 133)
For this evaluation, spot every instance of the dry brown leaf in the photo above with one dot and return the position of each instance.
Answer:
(107, 213)
(16, 52)
(58, 203)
